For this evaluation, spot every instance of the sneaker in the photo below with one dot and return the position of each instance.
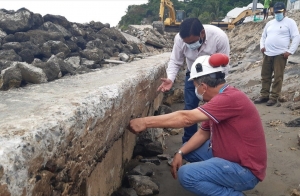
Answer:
(261, 100)
(271, 102)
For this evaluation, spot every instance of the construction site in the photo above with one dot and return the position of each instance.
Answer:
(69, 90)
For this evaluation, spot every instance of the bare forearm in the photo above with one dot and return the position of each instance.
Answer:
(199, 138)
(183, 118)
(172, 120)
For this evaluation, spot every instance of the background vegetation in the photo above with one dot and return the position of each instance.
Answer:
(205, 10)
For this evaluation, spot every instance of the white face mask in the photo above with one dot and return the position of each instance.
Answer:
(200, 97)
(194, 46)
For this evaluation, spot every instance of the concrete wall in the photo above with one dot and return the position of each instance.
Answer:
(69, 137)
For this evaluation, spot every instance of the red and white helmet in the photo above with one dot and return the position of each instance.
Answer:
(206, 64)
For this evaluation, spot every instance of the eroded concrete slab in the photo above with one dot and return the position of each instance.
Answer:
(54, 135)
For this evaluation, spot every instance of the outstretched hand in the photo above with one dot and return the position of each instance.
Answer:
(166, 85)
(177, 162)
(137, 125)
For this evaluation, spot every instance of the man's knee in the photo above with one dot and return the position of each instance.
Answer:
(184, 176)
(187, 177)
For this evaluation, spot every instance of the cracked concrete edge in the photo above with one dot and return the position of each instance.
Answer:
(36, 120)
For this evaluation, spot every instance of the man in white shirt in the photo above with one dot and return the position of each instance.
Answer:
(193, 40)
(276, 47)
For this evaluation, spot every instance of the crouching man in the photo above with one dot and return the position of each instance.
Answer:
(228, 153)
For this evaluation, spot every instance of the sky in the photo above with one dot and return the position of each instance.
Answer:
(80, 11)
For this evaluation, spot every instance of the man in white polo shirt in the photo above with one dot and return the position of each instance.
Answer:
(276, 47)
(193, 40)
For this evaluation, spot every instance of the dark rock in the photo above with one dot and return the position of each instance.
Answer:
(77, 31)
(38, 20)
(143, 185)
(16, 46)
(97, 43)
(5, 64)
(10, 78)
(109, 43)
(39, 37)
(97, 25)
(135, 48)
(56, 19)
(31, 74)
(125, 192)
(46, 50)
(36, 51)
(51, 68)
(163, 109)
(49, 26)
(60, 55)
(155, 161)
(72, 46)
(9, 55)
(138, 150)
(65, 67)
(2, 34)
(119, 46)
(293, 123)
(143, 170)
(101, 36)
(295, 106)
(88, 63)
(57, 47)
(79, 41)
(27, 55)
(8, 38)
(107, 25)
(74, 61)
(110, 51)
(21, 37)
(154, 148)
(21, 20)
(92, 54)
(114, 34)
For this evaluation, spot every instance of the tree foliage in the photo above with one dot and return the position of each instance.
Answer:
(205, 10)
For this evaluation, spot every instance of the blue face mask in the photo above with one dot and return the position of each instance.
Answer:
(279, 16)
(194, 46)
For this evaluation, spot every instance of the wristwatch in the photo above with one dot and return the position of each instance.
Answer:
(180, 152)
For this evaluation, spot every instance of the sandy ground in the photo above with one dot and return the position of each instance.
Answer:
(283, 173)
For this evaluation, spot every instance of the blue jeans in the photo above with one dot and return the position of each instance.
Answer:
(208, 175)
(190, 102)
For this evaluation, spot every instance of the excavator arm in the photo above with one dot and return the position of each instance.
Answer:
(235, 21)
(241, 17)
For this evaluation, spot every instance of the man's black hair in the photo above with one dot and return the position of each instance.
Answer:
(190, 26)
(211, 81)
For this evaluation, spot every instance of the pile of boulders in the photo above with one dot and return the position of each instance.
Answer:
(36, 49)
(151, 36)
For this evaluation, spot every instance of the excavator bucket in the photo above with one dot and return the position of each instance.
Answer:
(159, 26)
(174, 29)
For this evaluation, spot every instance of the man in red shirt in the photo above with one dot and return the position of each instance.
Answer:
(228, 153)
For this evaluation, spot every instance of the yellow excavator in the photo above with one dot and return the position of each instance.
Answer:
(235, 21)
(172, 22)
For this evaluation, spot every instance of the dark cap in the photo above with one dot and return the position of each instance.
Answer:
(279, 7)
